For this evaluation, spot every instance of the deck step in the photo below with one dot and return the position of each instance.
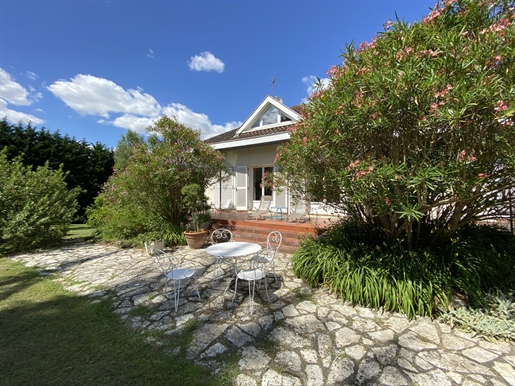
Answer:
(256, 231)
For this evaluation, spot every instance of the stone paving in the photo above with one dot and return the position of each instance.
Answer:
(302, 337)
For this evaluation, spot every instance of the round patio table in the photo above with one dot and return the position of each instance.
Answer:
(233, 249)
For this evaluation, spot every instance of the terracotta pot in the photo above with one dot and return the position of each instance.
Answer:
(196, 240)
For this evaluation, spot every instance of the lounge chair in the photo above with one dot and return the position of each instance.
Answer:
(300, 212)
(263, 208)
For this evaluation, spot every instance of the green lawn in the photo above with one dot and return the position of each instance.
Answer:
(51, 336)
(79, 231)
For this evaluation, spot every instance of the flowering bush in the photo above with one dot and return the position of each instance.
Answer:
(415, 132)
(151, 183)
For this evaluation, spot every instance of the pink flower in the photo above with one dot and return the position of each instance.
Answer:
(305, 140)
(387, 201)
(483, 175)
(387, 24)
(501, 106)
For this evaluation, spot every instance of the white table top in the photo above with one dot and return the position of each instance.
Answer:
(233, 249)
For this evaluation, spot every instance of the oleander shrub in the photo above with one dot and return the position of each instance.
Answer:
(146, 194)
(415, 129)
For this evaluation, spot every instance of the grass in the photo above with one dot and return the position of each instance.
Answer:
(52, 336)
(79, 231)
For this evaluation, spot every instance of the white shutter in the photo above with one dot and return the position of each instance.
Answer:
(280, 198)
(241, 188)
(228, 188)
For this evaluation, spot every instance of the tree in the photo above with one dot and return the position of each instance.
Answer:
(415, 132)
(125, 147)
(35, 205)
(148, 191)
(86, 166)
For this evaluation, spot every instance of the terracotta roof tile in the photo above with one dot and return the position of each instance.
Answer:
(229, 136)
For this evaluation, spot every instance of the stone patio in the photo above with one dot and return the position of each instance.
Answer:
(313, 338)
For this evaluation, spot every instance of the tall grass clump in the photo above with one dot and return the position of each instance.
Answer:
(355, 261)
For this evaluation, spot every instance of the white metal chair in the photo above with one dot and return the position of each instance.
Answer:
(251, 275)
(265, 258)
(220, 235)
(263, 208)
(173, 272)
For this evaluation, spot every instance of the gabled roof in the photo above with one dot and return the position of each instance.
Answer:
(255, 130)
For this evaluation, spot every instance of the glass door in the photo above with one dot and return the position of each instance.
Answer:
(258, 187)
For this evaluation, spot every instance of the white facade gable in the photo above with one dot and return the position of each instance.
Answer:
(270, 113)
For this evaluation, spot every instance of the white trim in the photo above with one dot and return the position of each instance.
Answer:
(251, 141)
(263, 106)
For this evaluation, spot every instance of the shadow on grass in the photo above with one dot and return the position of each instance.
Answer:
(49, 336)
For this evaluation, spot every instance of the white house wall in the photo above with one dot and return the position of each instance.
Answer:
(236, 159)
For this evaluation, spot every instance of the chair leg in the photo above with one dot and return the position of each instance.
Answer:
(177, 294)
(273, 270)
(266, 290)
(196, 286)
(251, 296)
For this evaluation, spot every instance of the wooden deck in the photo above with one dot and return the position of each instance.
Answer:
(245, 229)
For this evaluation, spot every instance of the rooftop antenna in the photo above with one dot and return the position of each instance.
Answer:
(274, 81)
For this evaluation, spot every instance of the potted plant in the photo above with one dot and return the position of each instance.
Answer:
(198, 215)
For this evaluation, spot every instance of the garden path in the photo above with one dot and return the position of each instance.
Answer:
(303, 337)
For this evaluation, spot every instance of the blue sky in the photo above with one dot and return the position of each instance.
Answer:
(93, 69)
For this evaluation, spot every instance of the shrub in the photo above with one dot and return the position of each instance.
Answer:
(35, 206)
(354, 261)
(148, 190)
(416, 128)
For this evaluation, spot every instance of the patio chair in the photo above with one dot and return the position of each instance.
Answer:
(264, 259)
(251, 275)
(220, 235)
(173, 272)
(300, 212)
(263, 208)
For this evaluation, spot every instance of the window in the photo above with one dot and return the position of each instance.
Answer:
(270, 117)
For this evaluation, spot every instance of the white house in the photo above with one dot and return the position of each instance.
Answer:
(250, 152)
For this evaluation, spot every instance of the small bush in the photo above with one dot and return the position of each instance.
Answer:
(355, 262)
(36, 207)
(495, 320)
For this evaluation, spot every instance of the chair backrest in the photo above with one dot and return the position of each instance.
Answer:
(165, 262)
(221, 235)
(273, 241)
(265, 203)
(302, 207)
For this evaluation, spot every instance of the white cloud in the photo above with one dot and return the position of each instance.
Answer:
(90, 95)
(17, 116)
(130, 122)
(129, 109)
(31, 75)
(197, 121)
(206, 61)
(11, 91)
(150, 53)
(311, 82)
